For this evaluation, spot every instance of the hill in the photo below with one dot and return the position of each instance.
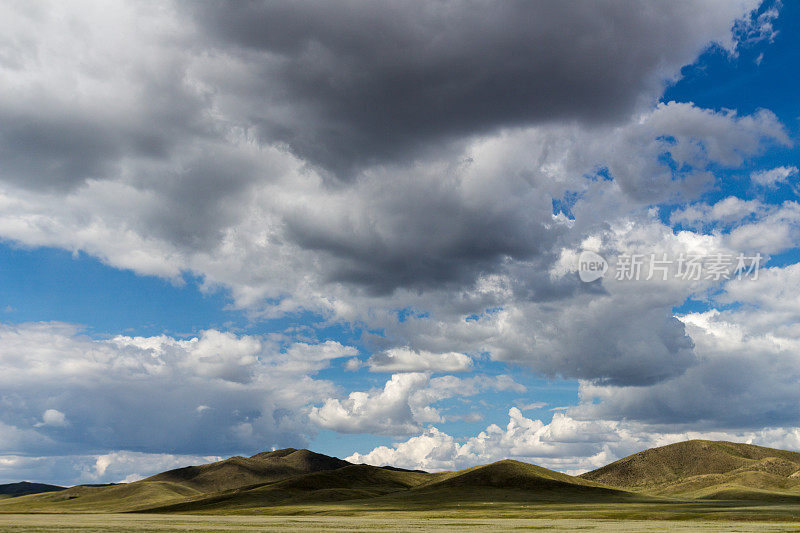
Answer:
(180, 484)
(380, 487)
(11, 490)
(237, 471)
(289, 478)
(508, 481)
(291, 481)
(707, 469)
(352, 482)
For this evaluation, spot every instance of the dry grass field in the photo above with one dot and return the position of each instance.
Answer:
(126, 523)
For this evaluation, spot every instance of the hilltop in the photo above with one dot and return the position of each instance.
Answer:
(239, 471)
(706, 469)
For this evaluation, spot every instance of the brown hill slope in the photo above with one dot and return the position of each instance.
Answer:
(705, 469)
(352, 482)
(510, 480)
(293, 480)
(108, 499)
(374, 487)
(237, 472)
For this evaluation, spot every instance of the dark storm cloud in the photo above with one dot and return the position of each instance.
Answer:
(422, 237)
(741, 391)
(349, 84)
(43, 150)
(59, 133)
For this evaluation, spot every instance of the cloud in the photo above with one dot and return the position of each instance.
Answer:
(408, 360)
(777, 230)
(353, 364)
(384, 411)
(758, 26)
(727, 211)
(53, 417)
(403, 405)
(531, 406)
(617, 332)
(353, 86)
(613, 331)
(770, 295)
(213, 152)
(215, 156)
(746, 372)
(565, 444)
(115, 467)
(773, 177)
(218, 392)
(373, 243)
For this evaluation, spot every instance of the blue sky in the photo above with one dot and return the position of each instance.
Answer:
(219, 237)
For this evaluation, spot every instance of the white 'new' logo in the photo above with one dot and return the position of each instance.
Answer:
(591, 266)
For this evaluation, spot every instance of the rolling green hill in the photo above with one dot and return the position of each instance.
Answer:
(506, 481)
(300, 481)
(180, 484)
(708, 470)
(299, 477)
(353, 482)
(108, 499)
(379, 487)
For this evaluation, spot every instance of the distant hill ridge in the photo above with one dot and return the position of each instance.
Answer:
(23, 488)
(291, 479)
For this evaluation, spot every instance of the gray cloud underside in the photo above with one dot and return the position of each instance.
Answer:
(350, 84)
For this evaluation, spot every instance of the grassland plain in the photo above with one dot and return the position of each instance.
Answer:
(127, 523)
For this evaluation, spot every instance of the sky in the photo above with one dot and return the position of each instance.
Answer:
(431, 235)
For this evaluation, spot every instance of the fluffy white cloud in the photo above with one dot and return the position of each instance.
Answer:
(776, 231)
(378, 411)
(403, 405)
(565, 444)
(771, 301)
(745, 225)
(726, 211)
(53, 417)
